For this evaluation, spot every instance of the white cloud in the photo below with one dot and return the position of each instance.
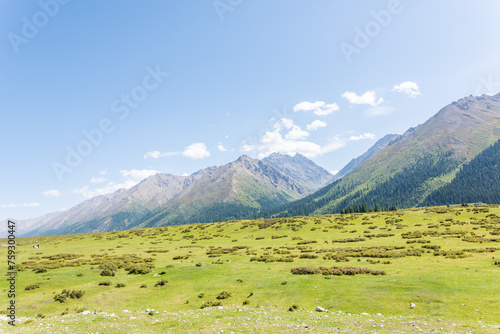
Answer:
(365, 135)
(22, 205)
(196, 151)
(296, 133)
(103, 172)
(158, 154)
(369, 97)
(316, 125)
(185, 174)
(52, 193)
(248, 148)
(334, 172)
(378, 111)
(97, 180)
(408, 87)
(283, 122)
(319, 108)
(131, 178)
(221, 147)
(273, 142)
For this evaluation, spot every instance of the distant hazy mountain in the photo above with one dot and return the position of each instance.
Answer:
(216, 193)
(412, 167)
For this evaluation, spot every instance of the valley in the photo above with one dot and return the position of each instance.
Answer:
(363, 268)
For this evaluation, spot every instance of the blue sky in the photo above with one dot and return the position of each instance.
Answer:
(132, 88)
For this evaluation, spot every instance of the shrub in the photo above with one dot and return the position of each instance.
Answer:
(74, 294)
(108, 265)
(246, 302)
(139, 270)
(308, 256)
(336, 257)
(284, 283)
(40, 270)
(210, 304)
(199, 264)
(105, 283)
(201, 295)
(119, 285)
(107, 272)
(161, 283)
(143, 286)
(224, 295)
(337, 271)
(79, 275)
(32, 287)
(305, 271)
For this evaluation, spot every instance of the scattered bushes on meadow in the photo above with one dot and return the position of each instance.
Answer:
(105, 283)
(349, 240)
(211, 304)
(337, 257)
(269, 258)
(73, 294)
(32, 287)
(107, 272)
(120, 285)
(139, 270)
(308, 256)
(451, 254)
(161, 283)
(434, 247)
(224, 295)
(336, 271)
(305, 242)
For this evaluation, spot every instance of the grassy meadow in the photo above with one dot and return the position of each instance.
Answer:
(268, 276)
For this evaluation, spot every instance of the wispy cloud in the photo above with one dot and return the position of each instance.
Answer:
(288, 138)
(319, 108)
(379, 111)
(22, 205)
(130, 179)
(248, 148)
(408, 87)
(98, 180)
(369, 97)
(158, 154)
(52, 193)
(365, 135)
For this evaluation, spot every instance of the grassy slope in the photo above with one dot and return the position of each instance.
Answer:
(458, 290)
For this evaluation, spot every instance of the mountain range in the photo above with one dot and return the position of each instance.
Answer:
(231, 191)
(413, 166)
(434, 163)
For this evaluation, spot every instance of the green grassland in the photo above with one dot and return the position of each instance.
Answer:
(371, 267)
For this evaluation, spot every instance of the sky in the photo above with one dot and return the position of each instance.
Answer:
(98, 95)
